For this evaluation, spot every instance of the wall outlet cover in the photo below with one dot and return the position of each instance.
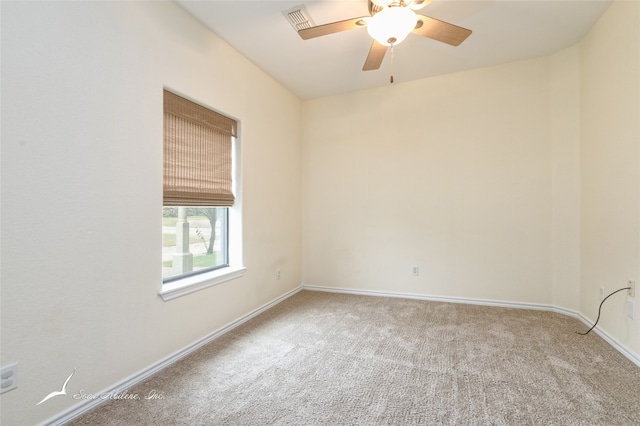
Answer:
(9, 375)
(631, 309)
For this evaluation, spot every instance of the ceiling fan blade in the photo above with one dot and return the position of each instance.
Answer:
(375, 56)
(334, 27)
(440, 30)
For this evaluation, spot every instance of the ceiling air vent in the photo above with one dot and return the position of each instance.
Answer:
(298, 17)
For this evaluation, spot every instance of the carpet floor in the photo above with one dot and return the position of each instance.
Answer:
(337, 359)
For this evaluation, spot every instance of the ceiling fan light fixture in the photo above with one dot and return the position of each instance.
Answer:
(392, 24)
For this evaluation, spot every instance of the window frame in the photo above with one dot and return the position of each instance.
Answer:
(181, 286)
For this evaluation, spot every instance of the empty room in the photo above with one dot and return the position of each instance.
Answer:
(320, 212)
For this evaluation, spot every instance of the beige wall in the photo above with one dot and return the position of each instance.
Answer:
(451, 173)
(610, 165)
(565, 179)
(82, 185)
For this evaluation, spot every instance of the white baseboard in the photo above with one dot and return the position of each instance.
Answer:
(628, 353)
(82, 407)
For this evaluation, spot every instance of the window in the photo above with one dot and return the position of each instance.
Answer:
(199, 181)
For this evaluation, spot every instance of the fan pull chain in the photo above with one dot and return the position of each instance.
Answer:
(391, 78)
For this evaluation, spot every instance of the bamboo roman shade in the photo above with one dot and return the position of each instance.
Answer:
(197, 154)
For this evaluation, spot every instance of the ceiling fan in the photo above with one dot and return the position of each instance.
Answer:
(390, 22)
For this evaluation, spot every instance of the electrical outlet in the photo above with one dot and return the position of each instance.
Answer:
(632, 288)
(631, 309)
(278, 274)
(601, 294)
(415, 270)
(9, 375)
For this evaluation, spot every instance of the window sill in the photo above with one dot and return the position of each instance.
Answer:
(188, 285)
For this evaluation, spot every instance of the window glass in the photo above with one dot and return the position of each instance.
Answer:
(194, 240)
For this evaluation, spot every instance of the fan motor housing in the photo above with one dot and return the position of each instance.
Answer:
(376, 6)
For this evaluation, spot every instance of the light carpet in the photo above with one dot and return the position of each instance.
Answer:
(337, 359)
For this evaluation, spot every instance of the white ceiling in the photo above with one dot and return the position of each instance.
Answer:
(503, 31)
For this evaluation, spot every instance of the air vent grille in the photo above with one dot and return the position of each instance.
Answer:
(298, 17)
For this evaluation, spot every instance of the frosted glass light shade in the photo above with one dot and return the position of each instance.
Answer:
(392, 25)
